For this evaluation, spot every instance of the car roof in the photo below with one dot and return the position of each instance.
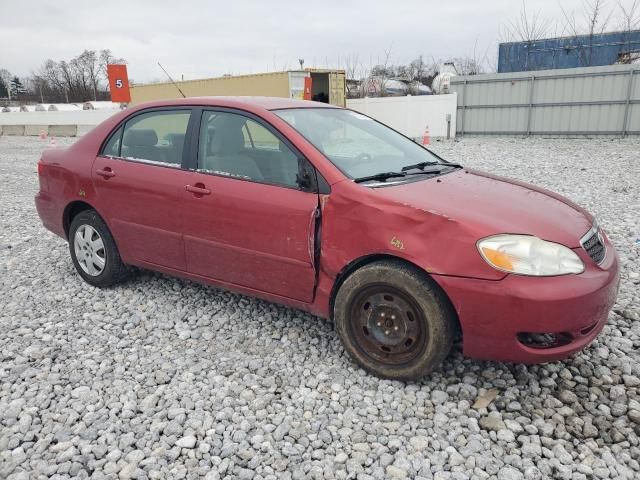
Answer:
(249, 103)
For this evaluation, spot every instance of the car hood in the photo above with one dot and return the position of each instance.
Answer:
(488, 205)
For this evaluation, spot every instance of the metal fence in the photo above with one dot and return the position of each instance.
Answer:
(578, 101)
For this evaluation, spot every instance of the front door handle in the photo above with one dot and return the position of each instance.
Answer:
(106, 172)
(198, 189)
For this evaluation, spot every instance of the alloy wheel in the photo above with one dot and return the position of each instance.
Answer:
(89, 250)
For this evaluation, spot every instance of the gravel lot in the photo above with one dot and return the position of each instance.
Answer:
(164, 378)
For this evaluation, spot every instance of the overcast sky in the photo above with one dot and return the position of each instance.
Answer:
(209, 38)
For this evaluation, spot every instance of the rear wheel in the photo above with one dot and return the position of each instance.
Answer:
(394, 320)
(94, 251)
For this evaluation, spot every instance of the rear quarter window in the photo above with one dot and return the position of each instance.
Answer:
(112, 147)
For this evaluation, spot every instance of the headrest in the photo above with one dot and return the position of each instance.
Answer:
(176, 139)
(140, 138)
(228, 138)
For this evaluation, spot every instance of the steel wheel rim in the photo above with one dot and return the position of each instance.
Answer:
(89, 250)
(387, 325)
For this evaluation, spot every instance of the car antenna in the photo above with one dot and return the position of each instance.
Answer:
(174, 83)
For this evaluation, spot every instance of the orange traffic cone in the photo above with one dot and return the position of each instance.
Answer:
(426, 139)
(52, 144)
(43, 134)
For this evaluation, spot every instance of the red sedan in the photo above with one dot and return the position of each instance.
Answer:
(327, 210)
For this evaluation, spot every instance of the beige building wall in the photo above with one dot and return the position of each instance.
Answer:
(266, 84)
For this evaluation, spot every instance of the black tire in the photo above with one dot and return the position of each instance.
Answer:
(421, 333)
(114, 271)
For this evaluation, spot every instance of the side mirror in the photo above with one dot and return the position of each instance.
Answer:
(304, 181)
(306, 176)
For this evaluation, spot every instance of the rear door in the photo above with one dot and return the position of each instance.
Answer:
(139, 181)
(247, 219)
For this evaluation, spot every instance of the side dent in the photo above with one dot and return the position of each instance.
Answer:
(358, 222)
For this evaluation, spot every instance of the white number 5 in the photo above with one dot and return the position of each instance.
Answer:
(118, 83)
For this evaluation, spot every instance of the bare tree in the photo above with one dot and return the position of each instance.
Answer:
(5, 80)
(630, 15)
(526, 27)
(107, 58)
(466, 65)
(77, 80)
(581, 26)
(353, 75)
(630, 21)
(592, 20)
(376, 82)
(88, 65)
(415, 71)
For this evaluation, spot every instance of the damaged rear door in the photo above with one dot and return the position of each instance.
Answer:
(249, 220)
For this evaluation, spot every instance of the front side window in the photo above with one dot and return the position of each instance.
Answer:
(355, 143)
(157, 137)
(237, 146)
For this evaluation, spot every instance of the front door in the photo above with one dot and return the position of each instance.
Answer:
(139, 183)
(247, 221)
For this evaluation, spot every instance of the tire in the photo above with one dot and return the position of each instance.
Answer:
(87, 252)
(394, 320)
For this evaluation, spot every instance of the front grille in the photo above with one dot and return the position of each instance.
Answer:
(593, 244)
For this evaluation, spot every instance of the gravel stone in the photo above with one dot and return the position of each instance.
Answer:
(492, 422)
(506, 435)
(510, 473)
(164, 378)
(341, 457)
(439, 397)
(396, 472)
(187, 442)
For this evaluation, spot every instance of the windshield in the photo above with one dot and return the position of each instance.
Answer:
(355, 143)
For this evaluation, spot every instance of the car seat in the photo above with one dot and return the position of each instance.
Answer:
(226, 150)
(141, 144)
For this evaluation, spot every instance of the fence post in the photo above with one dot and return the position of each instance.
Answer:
(627, 106)
(407, 102)
(531, 81)
(464, 101)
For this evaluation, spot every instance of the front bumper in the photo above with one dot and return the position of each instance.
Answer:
(493, 313)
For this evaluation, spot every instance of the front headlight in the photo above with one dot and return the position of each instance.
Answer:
(528, 255)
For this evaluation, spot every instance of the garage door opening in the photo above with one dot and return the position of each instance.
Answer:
(320, 87)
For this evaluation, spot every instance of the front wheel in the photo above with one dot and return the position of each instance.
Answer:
(394, 321)
(94, 251)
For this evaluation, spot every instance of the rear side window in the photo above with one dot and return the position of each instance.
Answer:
(156, 137)
(112, 147)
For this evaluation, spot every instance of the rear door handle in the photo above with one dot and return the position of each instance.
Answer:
(197, 189)
(106, 172)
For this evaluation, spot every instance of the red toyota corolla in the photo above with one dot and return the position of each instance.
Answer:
(327, 210)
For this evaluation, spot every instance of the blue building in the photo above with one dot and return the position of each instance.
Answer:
(570, 52)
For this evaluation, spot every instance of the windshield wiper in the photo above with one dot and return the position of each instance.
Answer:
(420, 166)
(380, 176)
